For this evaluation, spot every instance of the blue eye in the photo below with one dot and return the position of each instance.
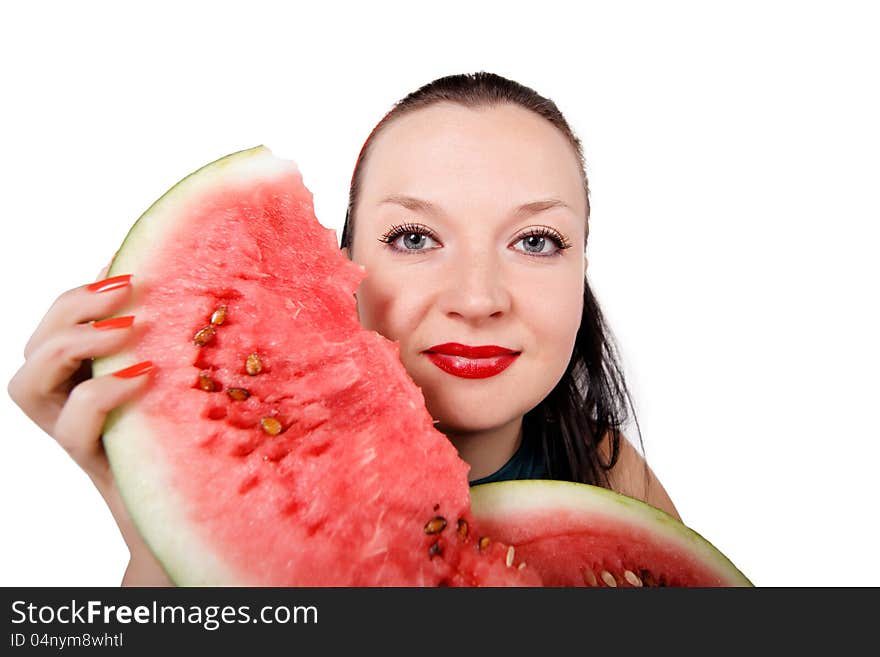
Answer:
(537, 238)
(413, 241)
(534, 243)
(413, 238)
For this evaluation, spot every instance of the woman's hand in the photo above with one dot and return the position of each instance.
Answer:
(55, 389)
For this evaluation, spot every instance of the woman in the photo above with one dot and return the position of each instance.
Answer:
(469, 208)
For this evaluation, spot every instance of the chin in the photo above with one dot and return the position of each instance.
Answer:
(469, 417)
(471, 405)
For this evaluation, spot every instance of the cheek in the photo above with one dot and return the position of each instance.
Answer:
(554, 314)
(371, 304)
(384, 307)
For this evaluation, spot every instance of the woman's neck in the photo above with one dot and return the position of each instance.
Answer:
(486, 451)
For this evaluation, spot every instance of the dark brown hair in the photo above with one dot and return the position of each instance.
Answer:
(591, 401)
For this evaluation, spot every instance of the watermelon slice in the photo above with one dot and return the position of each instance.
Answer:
(280, 443)
(580, 535)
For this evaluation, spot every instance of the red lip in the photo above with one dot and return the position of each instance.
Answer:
(455, 349)
(471, 362)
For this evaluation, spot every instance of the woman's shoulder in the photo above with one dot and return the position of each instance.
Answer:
(631, 476)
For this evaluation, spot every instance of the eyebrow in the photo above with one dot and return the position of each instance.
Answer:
(420, 205)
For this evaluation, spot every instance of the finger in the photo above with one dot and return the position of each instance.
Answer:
(79, 425)
(81, 304)
(59, 358)
(42, 410)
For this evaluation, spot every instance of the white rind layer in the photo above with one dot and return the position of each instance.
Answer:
(157, 512)
(135, 458)
(513, 499)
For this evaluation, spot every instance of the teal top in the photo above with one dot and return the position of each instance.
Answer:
(526, 463)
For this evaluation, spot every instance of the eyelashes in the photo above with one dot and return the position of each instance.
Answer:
(408, 229)
(545, 231)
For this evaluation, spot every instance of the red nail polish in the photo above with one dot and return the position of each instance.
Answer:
(114, 322)
(112, 283)
(135, 370)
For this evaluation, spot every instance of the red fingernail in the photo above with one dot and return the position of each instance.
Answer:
(112, 283)
(114, 322)
(135, 370)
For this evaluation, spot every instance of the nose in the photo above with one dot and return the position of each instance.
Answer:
(476, 289)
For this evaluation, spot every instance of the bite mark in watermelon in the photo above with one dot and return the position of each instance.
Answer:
(280, 443)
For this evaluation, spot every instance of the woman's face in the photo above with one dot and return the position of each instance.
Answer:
(463, 268)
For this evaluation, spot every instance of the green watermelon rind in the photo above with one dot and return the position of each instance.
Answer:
(502, 500)
(141, 476)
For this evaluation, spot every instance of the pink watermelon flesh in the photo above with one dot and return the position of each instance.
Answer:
(578, 535)
(327, 470)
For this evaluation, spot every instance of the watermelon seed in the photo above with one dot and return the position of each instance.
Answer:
(509, 560)
(218, 316)
(462, 528)
(435, 525)
(608, 578)
(436, 507)
(435, 549)
(206, 383)
(521, 565)
(253, 365)
(647, 578)
(589, 577)
(237, 394)
(632, 578)
(270, 425)
(484, 543)
(204, 336)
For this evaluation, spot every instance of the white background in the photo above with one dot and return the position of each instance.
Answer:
(733, 156)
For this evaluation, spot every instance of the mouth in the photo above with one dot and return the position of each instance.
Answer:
(471, 362)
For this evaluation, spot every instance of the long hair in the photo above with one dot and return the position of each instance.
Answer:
(590, 403)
